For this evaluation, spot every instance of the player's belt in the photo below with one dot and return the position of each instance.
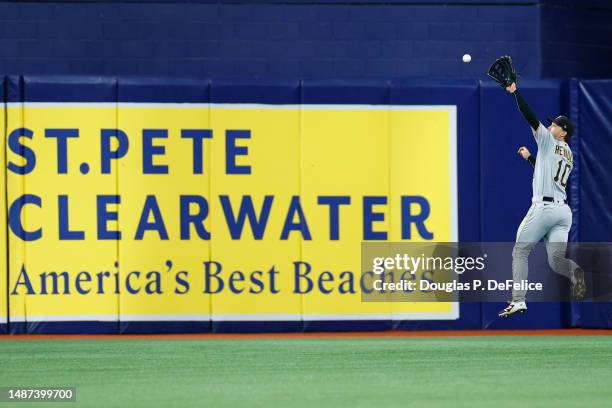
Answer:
(551, 200)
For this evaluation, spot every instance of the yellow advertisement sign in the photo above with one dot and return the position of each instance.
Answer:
(222, 212)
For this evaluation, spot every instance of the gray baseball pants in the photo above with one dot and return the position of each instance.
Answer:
(548, 221)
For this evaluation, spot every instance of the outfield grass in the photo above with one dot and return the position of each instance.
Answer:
(423, 372)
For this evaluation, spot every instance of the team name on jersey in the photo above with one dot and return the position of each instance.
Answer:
(562, 151)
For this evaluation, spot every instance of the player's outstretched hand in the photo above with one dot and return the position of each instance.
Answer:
(511, 88)
(524, 152)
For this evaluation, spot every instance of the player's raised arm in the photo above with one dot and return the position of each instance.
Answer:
(524, 107)
(503, 72)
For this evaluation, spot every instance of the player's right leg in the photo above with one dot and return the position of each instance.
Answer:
(534, 227)
(556, 246)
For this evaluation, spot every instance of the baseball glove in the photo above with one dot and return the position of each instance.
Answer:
(502, 71)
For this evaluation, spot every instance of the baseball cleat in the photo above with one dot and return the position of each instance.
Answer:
(579, 288)
(512, 308)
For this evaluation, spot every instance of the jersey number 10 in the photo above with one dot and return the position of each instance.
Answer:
(565, 174)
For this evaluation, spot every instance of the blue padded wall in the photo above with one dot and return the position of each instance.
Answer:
(494, 183)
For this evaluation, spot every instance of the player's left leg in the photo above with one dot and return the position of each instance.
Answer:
(556, 248)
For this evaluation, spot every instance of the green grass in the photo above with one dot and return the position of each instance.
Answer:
(423, 372)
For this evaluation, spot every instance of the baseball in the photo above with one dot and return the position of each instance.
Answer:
(467, 58)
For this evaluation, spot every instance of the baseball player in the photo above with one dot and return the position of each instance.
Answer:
(549, 216)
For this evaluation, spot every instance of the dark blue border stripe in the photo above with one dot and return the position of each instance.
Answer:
(184, 90)
(346, 92)
(17, 328)
(230, 327)
(541, 315)
(347, 325)
(64, 327)
(69, 89)
(3, 328)
(434, 92)
(165, 327)
(596, 315)
(73, 327)
(257, 327)
(469, 319)
(280, 92)
(201, 90)
(163, 90)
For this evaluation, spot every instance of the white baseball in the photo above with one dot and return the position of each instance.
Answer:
(467, 58)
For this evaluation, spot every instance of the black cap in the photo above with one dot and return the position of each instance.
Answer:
(564, 123)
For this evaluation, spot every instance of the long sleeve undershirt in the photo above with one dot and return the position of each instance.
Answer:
(531, 160)
(526, 111)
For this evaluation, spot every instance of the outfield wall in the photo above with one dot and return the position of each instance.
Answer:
(127, 199)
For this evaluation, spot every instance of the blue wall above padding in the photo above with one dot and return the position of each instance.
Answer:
(318, 40)
(363, 39)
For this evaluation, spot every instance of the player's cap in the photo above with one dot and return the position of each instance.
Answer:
(564, 123)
